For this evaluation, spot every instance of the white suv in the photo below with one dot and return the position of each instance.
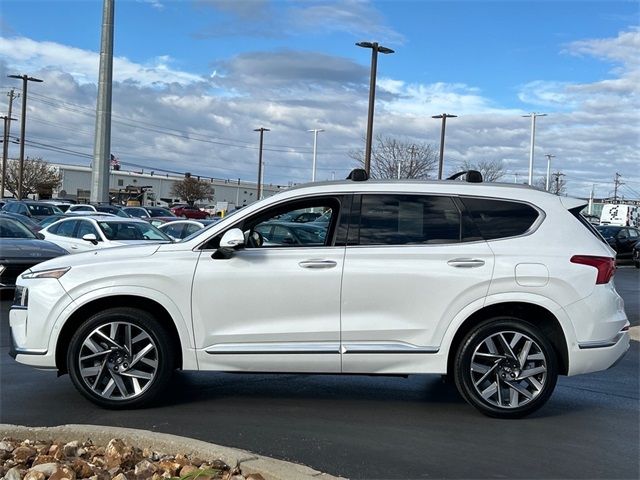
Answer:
(501, 286)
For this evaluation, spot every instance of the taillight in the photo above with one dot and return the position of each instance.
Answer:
(606, 266)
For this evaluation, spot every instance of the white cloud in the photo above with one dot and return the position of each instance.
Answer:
(25, 54)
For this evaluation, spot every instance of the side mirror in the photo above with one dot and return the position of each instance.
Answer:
(233, 238)
(90, 237)
(40, 235)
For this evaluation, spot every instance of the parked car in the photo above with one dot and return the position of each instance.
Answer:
(179, 229)
(33, 209)
(621, 239)
(501, 286)
(623, 215)
(20, 250)
(61, 203)
(45, 222)
(189, 211)
(28, 222)
(86, 233)
(98, 208)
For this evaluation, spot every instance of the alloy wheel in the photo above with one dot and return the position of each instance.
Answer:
(508, 369)
(118, 361)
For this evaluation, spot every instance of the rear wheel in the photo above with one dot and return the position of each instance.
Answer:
(506, 368)
(120, 358)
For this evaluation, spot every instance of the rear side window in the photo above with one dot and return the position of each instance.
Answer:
(64, 229)
(499, 218)
(408, 220)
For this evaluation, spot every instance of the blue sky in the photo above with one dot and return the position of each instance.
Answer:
(297, 65)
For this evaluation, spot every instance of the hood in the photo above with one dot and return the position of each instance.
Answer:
(28, 248)
(105, 255)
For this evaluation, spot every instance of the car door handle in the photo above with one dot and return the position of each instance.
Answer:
(466, 262)
(318, 264)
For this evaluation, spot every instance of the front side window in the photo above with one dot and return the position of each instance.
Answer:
(131, 231)
(281, 229)
(174, 231)
(85, 227)
(408, 220)
(500, 218)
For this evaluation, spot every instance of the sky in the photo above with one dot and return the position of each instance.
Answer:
(194, 78)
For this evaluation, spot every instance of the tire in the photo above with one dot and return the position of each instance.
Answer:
(508, 393)
(130, 360)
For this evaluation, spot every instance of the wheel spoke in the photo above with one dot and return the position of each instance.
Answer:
(519, 389)
(479, 368)
(506, 345)
(138, 356)
(127, 337)
(489, 391)
(90, 371)
(486, 375)
(138, 374)
(491, 346)
(120, 384)
(93, 346)
(95, 355)
(524, 353)
(531, 372)
(516, 338)
(108, 390)
(108, 339)
(513, 398)
(499, 392)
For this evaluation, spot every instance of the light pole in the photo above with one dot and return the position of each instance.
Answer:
(375, 48)
(533, 116)
(100, 169)
(23, 124)
(7, 131)
(315, 151)
(261, 130)
(549, 157)
(444, 117)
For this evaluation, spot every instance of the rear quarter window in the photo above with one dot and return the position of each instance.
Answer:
(500, 218)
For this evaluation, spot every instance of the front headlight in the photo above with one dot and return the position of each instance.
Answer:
(51, 273)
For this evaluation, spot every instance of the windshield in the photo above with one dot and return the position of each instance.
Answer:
(131, 231)
(10, 228)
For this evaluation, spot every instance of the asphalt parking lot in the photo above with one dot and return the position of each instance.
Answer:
(367, 427)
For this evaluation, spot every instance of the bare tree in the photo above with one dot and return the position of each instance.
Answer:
(557, 183)
(37, 177)
(491, 170)
(414, 160)
(191, 189)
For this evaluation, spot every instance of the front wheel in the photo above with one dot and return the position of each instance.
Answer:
(120, 358)
(506, 368)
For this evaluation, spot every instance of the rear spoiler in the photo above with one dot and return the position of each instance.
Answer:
(571, 203)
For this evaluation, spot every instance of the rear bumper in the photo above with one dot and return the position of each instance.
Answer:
(590, 357)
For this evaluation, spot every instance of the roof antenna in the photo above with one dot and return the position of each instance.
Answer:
(358, 175)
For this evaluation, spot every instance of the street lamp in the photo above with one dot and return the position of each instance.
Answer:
(375, 48)
(23, 124)
(315, 146)
(533, 116)
(261, 130)
(444, 117)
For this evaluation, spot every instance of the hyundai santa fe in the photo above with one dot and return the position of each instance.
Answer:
(501, 287)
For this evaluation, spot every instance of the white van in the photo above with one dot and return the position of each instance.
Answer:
(621, 215)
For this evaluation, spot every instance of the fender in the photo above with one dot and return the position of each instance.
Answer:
(506, 297)
(189, 361)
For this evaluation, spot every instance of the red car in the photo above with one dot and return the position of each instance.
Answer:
(189, 211)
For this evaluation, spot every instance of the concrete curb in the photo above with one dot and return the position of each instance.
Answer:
(269, 468)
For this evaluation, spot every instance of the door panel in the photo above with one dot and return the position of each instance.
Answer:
(263, 310)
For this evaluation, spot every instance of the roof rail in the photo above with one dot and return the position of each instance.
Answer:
(471, 176)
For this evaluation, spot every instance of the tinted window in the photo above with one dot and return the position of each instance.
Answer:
(500, 218)
(44, 210)
(633, 233)
(85, 228)
(10, 228)
(174, 231)
(64, 229)
(131, 231)
(408, 220)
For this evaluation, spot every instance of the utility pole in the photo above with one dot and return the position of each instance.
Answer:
(100, 169)
(558, 175)
(549, 157)
(444, 117)
(23, 125)
(315, 146)
(399, 168)
(616, 182)
(5, 145)
(515, 179)
(261, 130)
(590, 208)
(533, 116)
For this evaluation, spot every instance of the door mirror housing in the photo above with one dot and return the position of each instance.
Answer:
(90, 237)
(233, 238)
(40, 236)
